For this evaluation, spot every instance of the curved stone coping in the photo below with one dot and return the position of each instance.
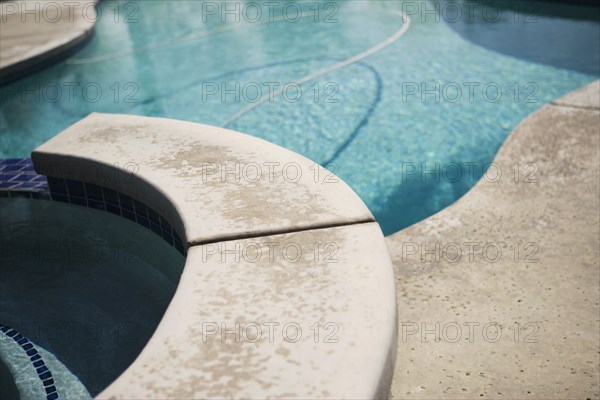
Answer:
(213, 184)
(294, 256)
(550, 290)
(35, 33)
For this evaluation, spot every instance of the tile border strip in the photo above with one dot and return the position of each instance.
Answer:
(19, 180)
(36, 360)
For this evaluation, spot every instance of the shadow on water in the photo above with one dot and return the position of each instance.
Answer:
(562, 35)
(422, 190)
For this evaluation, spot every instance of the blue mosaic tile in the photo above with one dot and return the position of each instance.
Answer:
(80, 201)
(18, 179)
(98, 205)
(42, 370)
(75, 188)
(111, 197)
(128, 214)
(126, 202)
(45, 375)
(57, 186)
(94, 192)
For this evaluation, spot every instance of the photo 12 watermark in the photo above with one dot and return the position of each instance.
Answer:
(271, 332)
(489, 252)
(73, 92)
(469, 332)
(256, 251)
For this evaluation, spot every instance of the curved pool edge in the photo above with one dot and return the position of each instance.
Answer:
(37, 38)
(295, 255)
(555, 212)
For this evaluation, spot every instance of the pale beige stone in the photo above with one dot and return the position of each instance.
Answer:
(557, 294)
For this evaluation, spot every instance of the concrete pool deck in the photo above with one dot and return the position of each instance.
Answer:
(544, 285)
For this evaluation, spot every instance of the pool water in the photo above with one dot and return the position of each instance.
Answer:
(380, 123)
(85, 286)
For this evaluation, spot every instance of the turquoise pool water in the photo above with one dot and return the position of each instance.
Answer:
(380, 123)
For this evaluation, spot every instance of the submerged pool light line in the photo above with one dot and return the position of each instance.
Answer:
(334, 67)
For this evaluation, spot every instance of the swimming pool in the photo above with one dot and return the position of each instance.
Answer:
(410, 127)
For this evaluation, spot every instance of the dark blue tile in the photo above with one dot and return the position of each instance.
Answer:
(45, 375)
(24, 177)
(113, 209)
(9, 185)
(38, 363)
(12, 167)
(126, 202)
(35, 357)
(167, 237)
(57, 185)
(80, 201)
(52, 396)
(143, 221)
(29, 185)
(153, 215)
(75, 188)
(128, 214)
(48, 382)
(6, 177)
(40, 178)
(28, 346)
(41, 370)
(32, 352)
(94, 192)
(18, 337)
(110, 197)
(98, 205)
(179, 247)
(4, 328)
(11, 333)
(156, 228)
(50, 389)
(176, 237)
(140, 208)
(60, 197)
(165, 224)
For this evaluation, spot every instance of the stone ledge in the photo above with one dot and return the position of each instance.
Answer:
(213, 184)
(323, 261)
(30, 40)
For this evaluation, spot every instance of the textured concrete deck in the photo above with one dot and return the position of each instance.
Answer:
(550, 288)
(35, 32)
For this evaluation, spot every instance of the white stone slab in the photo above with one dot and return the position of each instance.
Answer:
(347, 283)
(213, 184)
